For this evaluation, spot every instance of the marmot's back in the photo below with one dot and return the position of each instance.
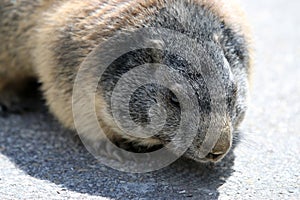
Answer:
(19, 20)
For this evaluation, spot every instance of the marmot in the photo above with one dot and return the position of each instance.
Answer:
(49, 39)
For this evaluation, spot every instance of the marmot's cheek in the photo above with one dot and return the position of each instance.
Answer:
(240, 115)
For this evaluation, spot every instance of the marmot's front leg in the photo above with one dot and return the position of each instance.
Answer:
(16, 95)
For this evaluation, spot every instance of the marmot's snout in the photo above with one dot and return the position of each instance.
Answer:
(222, 146)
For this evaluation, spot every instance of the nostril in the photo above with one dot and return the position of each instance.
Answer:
(214, 156)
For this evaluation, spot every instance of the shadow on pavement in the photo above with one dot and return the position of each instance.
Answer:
(39, 146)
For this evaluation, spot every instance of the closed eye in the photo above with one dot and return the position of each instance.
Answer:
(174, 100)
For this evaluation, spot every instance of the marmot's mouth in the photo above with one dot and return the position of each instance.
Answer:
(211, 157)
(214, 157)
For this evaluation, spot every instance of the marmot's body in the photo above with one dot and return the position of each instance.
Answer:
(49, 40)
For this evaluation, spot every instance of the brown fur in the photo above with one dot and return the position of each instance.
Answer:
(52, 38)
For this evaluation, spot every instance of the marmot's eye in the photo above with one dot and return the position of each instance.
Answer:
(174, 99)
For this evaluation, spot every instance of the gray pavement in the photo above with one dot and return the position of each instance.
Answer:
(41, 160)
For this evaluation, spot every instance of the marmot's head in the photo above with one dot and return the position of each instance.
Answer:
(208, 79)
(215, 72)
(211, 73)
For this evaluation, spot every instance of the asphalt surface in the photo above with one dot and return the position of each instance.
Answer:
(41, 160)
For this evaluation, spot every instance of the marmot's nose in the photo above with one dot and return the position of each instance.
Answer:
(221, 148)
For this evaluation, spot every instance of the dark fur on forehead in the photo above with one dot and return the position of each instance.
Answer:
(189, 18)
(199, 24)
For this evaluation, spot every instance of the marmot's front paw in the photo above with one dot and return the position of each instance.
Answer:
(19, 100)
(10, 102)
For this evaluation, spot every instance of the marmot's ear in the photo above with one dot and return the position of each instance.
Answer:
(155, 44)
(157, 47)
